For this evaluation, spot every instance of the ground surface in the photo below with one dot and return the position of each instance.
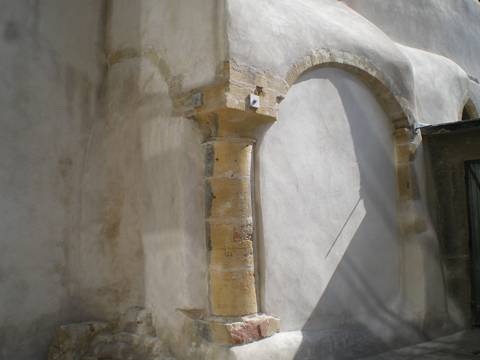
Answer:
(464, 345)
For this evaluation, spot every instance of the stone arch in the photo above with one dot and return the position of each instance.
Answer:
(225, 114)
(397, 108)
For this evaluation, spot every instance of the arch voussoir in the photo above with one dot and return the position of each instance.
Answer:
(385, 90)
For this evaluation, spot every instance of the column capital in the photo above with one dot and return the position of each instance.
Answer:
(242, 100)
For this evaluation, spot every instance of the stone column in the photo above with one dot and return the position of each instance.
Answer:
(229, 114)
(230, 226)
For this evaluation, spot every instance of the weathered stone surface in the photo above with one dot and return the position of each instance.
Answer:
(233, 293)
(229, 221)
(123, 345)
(230, 159)
(72, 341)
(229, 96)
(246, 330)
(236, 236)
(137, 320)
(230, 198)
(132, 338)
(232, 258)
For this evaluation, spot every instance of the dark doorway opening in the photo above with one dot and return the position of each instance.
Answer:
(472, 175)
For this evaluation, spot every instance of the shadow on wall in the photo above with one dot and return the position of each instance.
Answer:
(175, 250)
(370, 300)
(360, 302)
(159, 159)
(147, 208)
(106, 261)
(365, 306)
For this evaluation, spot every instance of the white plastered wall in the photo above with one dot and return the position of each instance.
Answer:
(327, 191)
(147, 166)
(103, 204)
(50, 84)
(332, 254)
(448, 28)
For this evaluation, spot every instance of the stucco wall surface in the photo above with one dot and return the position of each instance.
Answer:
(318, 163)
(50, 71)
(448, 28)
(149, 162)
(102, 182)
(185, 38)
(445, 27)
(441, 87)
(274, 36)
(333, 259)
(429, 84)
(102, 185)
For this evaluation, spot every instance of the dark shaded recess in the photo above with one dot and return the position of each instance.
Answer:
(448, 148)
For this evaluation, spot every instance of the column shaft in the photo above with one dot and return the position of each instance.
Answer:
(230, 226)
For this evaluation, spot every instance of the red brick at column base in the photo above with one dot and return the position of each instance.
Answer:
(241, 331)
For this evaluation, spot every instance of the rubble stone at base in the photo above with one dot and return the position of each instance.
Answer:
(133, 338)
(73, 340)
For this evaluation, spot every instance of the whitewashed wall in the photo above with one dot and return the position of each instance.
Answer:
(101, 183)
(328, 205)
(332, 254)
(145, 179)
(447, 28)
(50, 75)
(333, 264)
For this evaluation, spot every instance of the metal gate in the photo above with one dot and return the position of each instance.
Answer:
(472, 172)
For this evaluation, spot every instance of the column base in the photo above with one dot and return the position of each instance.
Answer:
(237, 331)
(243, 330)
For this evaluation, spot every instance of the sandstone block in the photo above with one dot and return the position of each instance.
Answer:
(246, 330)
(230, 198)
(233, 293)
(230, 159)
(231, 259)
(231, 236)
